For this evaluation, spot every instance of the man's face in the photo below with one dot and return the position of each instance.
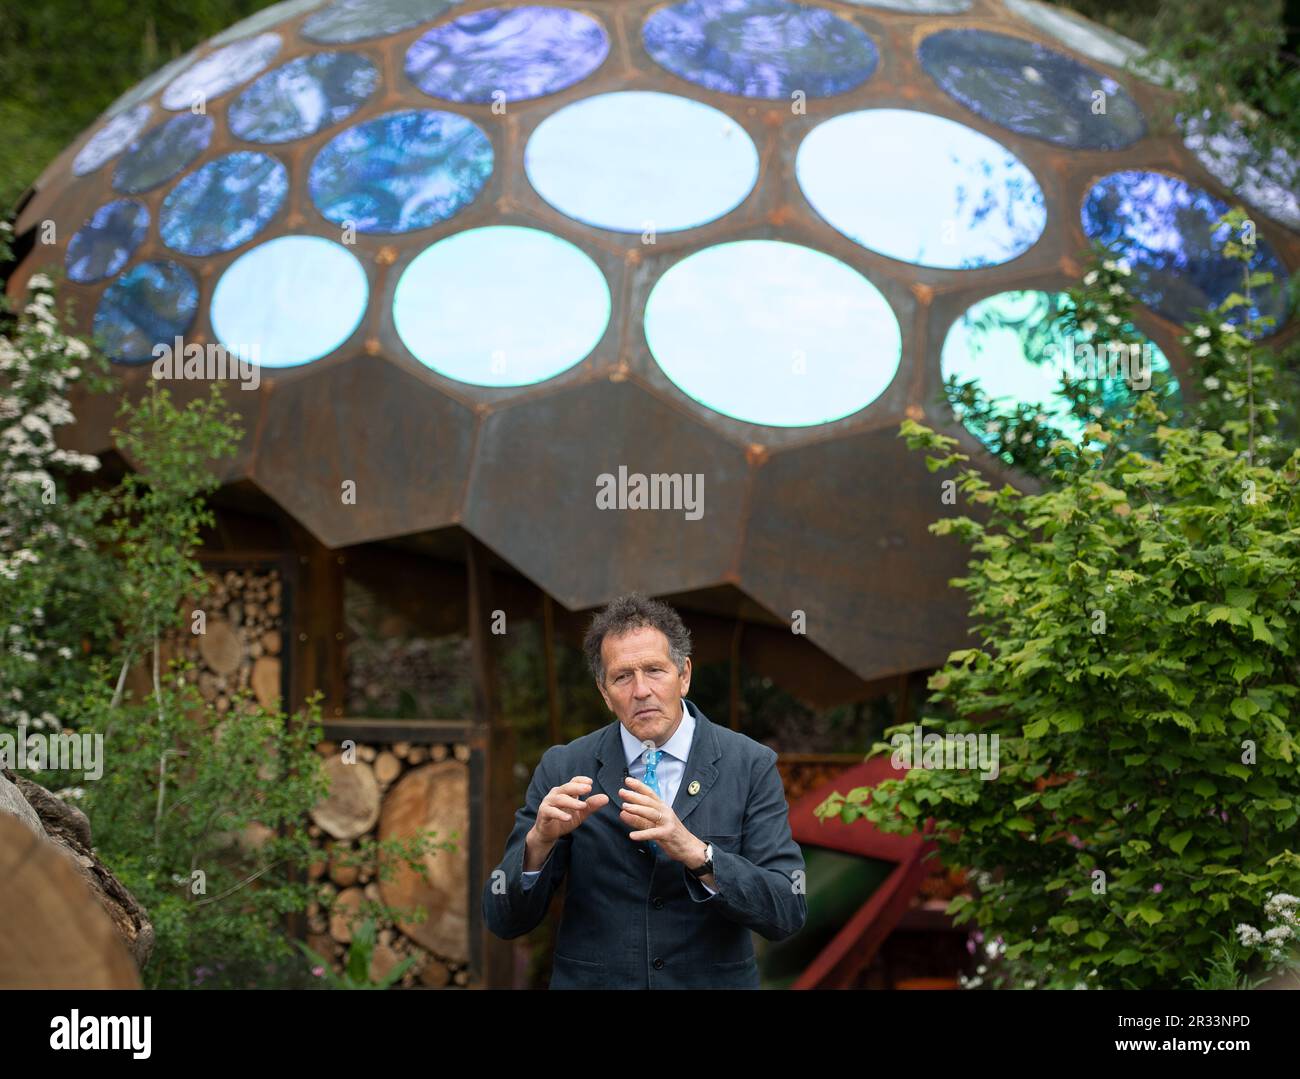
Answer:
(642, 686)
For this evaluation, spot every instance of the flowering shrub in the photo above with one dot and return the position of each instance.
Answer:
(1138, 657)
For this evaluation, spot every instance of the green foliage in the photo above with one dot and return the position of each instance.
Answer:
(1139, 662)
(356, 971)
(62, 62)
(200, 815)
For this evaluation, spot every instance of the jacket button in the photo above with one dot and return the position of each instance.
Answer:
(658, 963)
(657, 903)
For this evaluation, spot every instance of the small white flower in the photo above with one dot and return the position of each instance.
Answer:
(1123, 267)
(1090, 278)
(1088, 327)
(1109, 264)
(1116, 289)
(1211, 383)
(1227, 327)
(1202, 331)
(1203, 350)
(40, 280)
(1113, 320)
(1248, 935)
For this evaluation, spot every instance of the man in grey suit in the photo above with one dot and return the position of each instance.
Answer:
(672, 853)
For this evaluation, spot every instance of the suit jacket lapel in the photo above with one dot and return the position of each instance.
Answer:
(609, 755)
(699, 766)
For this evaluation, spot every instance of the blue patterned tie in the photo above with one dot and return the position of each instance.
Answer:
(651, 780)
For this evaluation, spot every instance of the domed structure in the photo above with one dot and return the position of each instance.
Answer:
(488, 254)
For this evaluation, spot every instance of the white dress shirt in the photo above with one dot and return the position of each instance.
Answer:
(671, 768)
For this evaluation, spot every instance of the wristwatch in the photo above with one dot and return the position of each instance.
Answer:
(707, 867)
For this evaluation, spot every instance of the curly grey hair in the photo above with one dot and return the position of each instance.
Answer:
(629, 612)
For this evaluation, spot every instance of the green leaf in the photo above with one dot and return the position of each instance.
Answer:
(1180, 841)
(1259, 631)
(1243, 707)
(1149, 914)
(1037, 728)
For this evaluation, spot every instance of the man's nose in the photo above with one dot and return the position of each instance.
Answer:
(642, 687)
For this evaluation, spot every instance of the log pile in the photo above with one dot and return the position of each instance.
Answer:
(397, 790)
(243, 642)
(394, 672)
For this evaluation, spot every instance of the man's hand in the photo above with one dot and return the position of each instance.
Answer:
(654, 819)
(559, 813)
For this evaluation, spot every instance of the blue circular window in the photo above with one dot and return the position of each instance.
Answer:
(163, 153)
(507, 54)
(480, 306)
(760, 48)
(401, 171)
(1165, 228)
(151, 304)
(224, 204)
(221, 71)
(956, 198)
(304, 96)
(638, 161)
(289, 301)
(772, 333)
(105, 243)
(111, 139)
(361, 20)
(1032, 90)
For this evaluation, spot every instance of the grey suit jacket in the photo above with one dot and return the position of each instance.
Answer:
(636, 919)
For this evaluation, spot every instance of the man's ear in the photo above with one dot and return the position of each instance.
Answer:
(686, 676)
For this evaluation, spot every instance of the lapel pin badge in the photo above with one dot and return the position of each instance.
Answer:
(694, 788)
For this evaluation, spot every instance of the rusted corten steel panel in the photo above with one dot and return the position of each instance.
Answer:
(533, 494)
(827, 519)
(407, 451)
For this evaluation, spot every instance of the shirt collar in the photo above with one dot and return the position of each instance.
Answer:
(679, 745)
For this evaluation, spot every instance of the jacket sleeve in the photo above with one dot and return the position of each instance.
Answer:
(510, 909)
(762, 887)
